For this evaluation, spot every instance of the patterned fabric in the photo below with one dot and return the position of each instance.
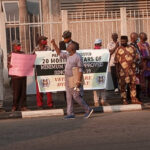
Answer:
(145, 52)
(126, 65)
(112, 45)
(145, 71)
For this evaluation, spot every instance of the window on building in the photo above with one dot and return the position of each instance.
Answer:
(11, 9)
(33, 7)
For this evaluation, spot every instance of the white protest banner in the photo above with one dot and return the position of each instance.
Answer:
(22, 64)
(50, 70)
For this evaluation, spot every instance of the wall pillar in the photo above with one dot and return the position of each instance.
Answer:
(64, 15)
(123, 14)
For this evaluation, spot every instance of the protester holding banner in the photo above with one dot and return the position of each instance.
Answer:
(112, 46)
(73, 60)
(125, 60)
(18, 83)
(42, 46)
(99, 95)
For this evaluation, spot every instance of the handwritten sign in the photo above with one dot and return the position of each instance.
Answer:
(22, 64)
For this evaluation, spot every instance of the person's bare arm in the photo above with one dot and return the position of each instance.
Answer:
(55, 47)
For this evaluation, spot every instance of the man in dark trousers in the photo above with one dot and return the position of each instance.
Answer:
(64, 44)
(18, 83)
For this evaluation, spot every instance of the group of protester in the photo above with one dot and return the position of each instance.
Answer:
(129, 65)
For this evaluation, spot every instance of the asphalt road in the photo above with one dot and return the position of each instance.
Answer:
(108, 131)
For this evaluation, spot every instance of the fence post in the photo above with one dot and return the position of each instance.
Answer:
(123, 21)
(64, 16)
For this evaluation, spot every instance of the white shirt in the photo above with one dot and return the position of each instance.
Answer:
(112, 45)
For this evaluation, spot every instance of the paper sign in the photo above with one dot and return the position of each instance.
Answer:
(22, 64)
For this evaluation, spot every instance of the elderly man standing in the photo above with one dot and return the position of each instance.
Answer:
(125, 60)
(134, 38)
(144, 48)
(73, 60)
(112, 46)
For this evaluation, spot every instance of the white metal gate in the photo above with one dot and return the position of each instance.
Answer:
(85, 28)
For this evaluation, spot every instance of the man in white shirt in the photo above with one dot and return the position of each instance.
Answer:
(112, 46)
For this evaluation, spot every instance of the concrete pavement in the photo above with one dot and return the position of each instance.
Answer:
(60, 106)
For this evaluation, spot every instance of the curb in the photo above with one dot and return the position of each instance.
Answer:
(42, 113)
(61, 112)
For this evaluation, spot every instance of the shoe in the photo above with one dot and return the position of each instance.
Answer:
(87, 115)
(136, 101)
(116, 90)
(125, 102)
(69, 117)
(24, 109)
(14, 109)
(103, 103)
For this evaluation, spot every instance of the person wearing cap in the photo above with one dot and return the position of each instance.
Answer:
(112, 47)
(42, 46)
(125, 59)
(99, 95)
(67, 40)
(98, 44)
(18, 83)
(64, 44)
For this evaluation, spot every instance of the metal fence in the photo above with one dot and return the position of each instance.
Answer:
(32, 30)
(138, 21)
(85, 27)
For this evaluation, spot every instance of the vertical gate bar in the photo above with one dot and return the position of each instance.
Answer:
(15, 28)
(25, 34)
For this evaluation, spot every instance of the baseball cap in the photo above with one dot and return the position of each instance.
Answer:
(16, 42)
(66, 34)
(98, 41)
